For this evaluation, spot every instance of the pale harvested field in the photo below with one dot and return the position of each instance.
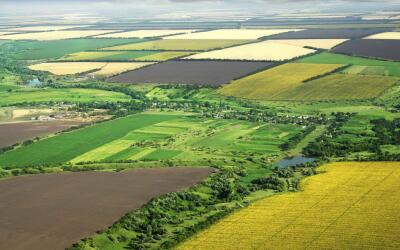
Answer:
(68, 68)
(55, 35)
(386, 35)
(241, 34)
(145, 33)
(314, 43)
(46, 28)
(349, 206)
(21, 113)
(111, 69)
(4, 33)
(102, 68)
(262, 51)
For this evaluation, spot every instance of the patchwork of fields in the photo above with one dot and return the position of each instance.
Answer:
(35, 50)
(180, 44)
(195, 95)
(240, 34)
(359, 65)
(330, 33)
(111, 69)
(349, 205)
(55, 35)
(155, 137)
(139, 55)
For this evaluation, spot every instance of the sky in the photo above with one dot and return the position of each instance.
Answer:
(156, 7)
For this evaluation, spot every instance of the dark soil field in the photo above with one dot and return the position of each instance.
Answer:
(208, 73)
(329, 33)
(385, 49)
(11, 133)
(53, 211)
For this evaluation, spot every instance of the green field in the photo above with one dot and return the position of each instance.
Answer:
(360, 65)
(341, 87)
(34, 50)
(124, 56)
(13, 94)
(65, 147)
(273, 84)
(156, 137)
(179, 45)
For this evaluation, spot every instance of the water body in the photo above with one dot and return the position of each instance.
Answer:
(293, 161)
(34, 82)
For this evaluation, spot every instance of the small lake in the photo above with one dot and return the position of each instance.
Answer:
(34, 82)
(288, 162)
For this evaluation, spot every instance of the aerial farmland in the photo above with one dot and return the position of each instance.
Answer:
(199, 125)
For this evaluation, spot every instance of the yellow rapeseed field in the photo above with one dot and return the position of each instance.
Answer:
(350, 206)
(261, 51)
(273, 84)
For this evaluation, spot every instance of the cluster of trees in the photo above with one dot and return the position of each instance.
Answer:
(284, 179)
(117, 109)
(385, 133)
(324, 146)
(292, 142)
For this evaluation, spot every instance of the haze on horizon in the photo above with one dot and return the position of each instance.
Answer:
(148, 8)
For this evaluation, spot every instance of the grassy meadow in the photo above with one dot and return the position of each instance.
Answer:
(12, 94)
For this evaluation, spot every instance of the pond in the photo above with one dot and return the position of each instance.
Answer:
(288, 162)
(34, 82)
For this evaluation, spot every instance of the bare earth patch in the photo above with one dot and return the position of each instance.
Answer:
(11, 133)
(53, 211)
